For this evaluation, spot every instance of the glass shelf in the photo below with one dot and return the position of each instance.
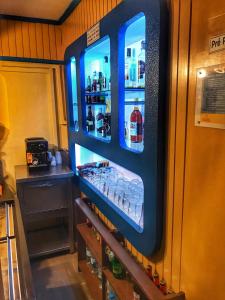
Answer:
(134, 84)
(98, 90)
(101, 93)
(120, 188)
(127, 89)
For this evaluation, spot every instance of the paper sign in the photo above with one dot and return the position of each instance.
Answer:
(210, 97)
(217, 43)
(93, 34)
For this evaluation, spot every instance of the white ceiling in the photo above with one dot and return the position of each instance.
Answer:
(44, 9)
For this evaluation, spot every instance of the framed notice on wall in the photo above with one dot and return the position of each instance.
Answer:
(210, 97)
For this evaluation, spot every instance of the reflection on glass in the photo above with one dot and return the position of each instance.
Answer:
(134, 55)
(122, 189)
(98, 90)
(74, 92)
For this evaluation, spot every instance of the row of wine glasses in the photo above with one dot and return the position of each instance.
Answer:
(127, 194)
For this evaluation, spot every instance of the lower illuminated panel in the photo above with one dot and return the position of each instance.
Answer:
(120, 188)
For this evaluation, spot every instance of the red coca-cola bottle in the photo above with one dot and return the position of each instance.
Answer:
(136, 126)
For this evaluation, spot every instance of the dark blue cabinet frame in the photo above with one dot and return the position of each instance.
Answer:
(149, 164)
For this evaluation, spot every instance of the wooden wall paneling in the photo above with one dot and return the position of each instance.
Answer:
(12, 38)
(26, 39)
(0, 40)
(52, 42)
(180, 143)
(59, 43)
(202, 260)
(46, 41)
(4, 37)
(19, 39)
(33, 40)
(97, 11)
(114, 3)
(39, 41)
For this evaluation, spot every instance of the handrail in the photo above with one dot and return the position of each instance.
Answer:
(139, 276)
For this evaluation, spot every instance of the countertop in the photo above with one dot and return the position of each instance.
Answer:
(7, 195)
(22, 173)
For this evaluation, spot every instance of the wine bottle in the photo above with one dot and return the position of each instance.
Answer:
(133, 69)
(141, 66)
(100, 121)
(90, 122)
(127, 67)
(136, 126)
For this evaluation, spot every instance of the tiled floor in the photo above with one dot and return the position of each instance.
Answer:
(58, 278)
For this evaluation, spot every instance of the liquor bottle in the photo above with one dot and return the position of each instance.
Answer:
(88, 84)
(94, 265)
(106, 72)
(136, 126)
(100, 121)
(94, 83)
(156, 279)
(90, 122)
(110, 292)
(133, 69)
(98, 86)
(107, 124)
(137, 293)
(101, 81)
(141, 66)
(163, 287)
(127, 67)
(149, 271)
(88, 256)
(116, 266)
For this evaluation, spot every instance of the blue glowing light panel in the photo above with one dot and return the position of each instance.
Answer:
(74, 93)
(118, 187)
(134, 95)
(98, 90)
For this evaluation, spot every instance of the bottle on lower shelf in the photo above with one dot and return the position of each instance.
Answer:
(110, 294)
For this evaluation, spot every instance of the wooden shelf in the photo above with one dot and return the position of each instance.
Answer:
(91, 280)
(123, 288)
(47, 241)
(38, 216)
(91, 241)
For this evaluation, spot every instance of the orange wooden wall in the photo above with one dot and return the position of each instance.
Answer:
(86, 14)
(30, 40)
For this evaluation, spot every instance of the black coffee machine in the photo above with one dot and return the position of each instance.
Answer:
(37, 153)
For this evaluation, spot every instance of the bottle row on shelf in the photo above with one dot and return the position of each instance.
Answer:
(135, 66)
(118, 270)
(96, 99)
(100, 124)
(99, 81)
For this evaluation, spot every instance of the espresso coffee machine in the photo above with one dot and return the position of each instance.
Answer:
(37, 153)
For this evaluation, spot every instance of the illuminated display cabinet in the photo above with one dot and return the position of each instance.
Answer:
(116, 91)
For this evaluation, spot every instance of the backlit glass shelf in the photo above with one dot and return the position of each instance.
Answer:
(97, 92)
(134, 84)
(120, 188)
(101, 93)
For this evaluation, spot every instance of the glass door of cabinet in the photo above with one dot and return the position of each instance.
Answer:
(134, 84)
(98, 90)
